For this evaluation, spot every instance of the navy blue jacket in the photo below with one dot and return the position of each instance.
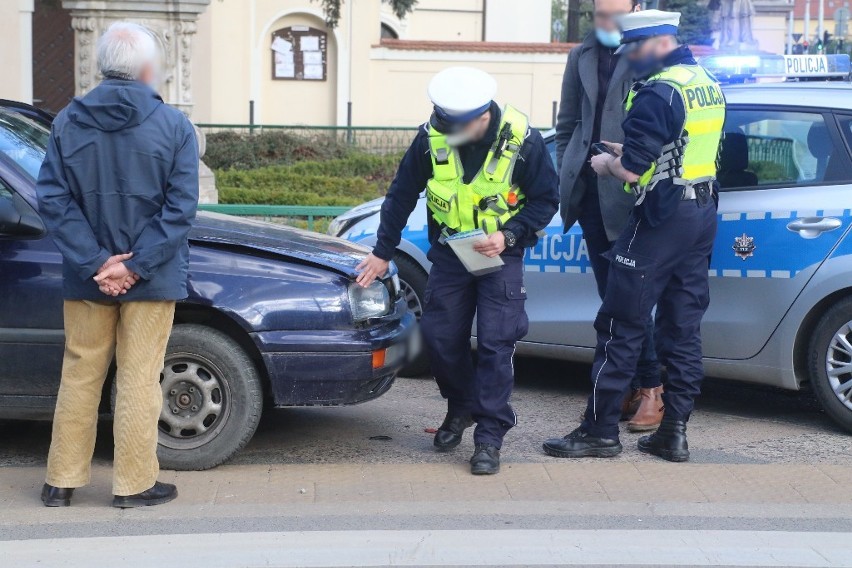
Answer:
(534, 174)
(121, 175)
(655, 119)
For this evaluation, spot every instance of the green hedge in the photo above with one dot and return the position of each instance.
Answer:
(349, 180)
(232, 150)
(769, 172)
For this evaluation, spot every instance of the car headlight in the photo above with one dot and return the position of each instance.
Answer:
(370, 302)
(339, 225)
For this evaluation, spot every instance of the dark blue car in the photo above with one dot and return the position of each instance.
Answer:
(273, 318)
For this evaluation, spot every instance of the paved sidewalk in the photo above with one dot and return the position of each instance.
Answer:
(588, 512)
(537, 488)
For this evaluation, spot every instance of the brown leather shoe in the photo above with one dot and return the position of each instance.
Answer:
(650, 412)
(629, 407)
(631, 403)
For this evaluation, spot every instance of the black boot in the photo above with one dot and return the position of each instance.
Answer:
(668, 442)
(56, 496)
(160, 493)
(449, 435)
(579, 444)
(485, 460)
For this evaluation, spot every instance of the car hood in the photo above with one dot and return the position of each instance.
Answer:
(302, 246)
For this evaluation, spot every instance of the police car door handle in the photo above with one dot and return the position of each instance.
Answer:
(812, 227)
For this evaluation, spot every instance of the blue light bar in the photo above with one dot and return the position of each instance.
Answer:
(749, 68)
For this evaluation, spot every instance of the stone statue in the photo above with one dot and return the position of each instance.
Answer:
(735, 24)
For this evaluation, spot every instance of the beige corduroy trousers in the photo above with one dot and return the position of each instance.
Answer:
(136, 334)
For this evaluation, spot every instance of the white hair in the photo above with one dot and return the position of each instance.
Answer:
(124, 50)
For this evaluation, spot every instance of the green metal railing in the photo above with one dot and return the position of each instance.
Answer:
(774, 150)
(268, 212)
(373, 139)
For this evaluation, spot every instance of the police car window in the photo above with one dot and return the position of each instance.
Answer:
(846, 127)
(551, 148)
(776, 148)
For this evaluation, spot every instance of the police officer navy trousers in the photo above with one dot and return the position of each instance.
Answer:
(594, 233)
(453, 296)
(666, 265)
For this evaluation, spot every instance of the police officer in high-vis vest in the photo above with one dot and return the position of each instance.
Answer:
(673, 126)
(482, 167)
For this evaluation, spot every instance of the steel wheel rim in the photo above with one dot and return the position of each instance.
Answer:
(411, 298)
(838, 364)
(196, 401)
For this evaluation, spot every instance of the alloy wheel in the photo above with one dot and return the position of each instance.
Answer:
(411, 298)
(838, 363)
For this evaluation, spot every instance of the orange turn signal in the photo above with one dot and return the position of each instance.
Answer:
(379, 358)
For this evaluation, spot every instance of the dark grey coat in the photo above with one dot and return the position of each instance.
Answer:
(574, 132)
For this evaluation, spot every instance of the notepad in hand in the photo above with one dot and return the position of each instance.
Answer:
(476, 263)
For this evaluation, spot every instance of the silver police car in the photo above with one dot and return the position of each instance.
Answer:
(781, 271)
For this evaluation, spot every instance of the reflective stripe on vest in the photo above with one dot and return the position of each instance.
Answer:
(489, 200)
(692, 159)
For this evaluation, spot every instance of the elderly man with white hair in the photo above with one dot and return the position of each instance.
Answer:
(118, 192)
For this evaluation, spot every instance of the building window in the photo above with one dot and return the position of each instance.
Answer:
(388, 32)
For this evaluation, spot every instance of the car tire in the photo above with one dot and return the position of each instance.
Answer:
(829, 351)
(227, 387)
(412, 280)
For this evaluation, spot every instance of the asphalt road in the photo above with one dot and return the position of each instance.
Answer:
(734, 423)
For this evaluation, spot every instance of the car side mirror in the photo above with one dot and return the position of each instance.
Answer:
(18, 220)
(9, 216)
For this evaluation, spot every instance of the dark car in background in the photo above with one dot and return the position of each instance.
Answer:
(273, 318)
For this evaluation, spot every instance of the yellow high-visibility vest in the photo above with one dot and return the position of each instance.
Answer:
(693, 156)
(490, 199)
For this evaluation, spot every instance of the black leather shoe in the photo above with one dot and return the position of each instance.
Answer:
(485, 460)
(449, 435)
(56, 496)
(157, 495)
(579, 444)
(668, 442)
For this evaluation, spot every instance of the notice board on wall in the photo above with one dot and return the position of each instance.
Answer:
(299, 53)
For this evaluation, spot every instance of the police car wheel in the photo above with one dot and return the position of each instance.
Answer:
(412, 281)
(830, 362)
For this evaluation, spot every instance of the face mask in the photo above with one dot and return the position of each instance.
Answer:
(459, 139)
(608, 38)
(645, 66)
(470, 133)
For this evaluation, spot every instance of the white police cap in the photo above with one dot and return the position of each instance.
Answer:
(461, 94)
(638, 26)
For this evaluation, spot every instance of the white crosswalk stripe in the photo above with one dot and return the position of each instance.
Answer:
(439, 548)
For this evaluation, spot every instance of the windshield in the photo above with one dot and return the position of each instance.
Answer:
(22, 142)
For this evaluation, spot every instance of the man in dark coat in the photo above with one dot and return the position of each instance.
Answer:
(592, 109)
(118, 192)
